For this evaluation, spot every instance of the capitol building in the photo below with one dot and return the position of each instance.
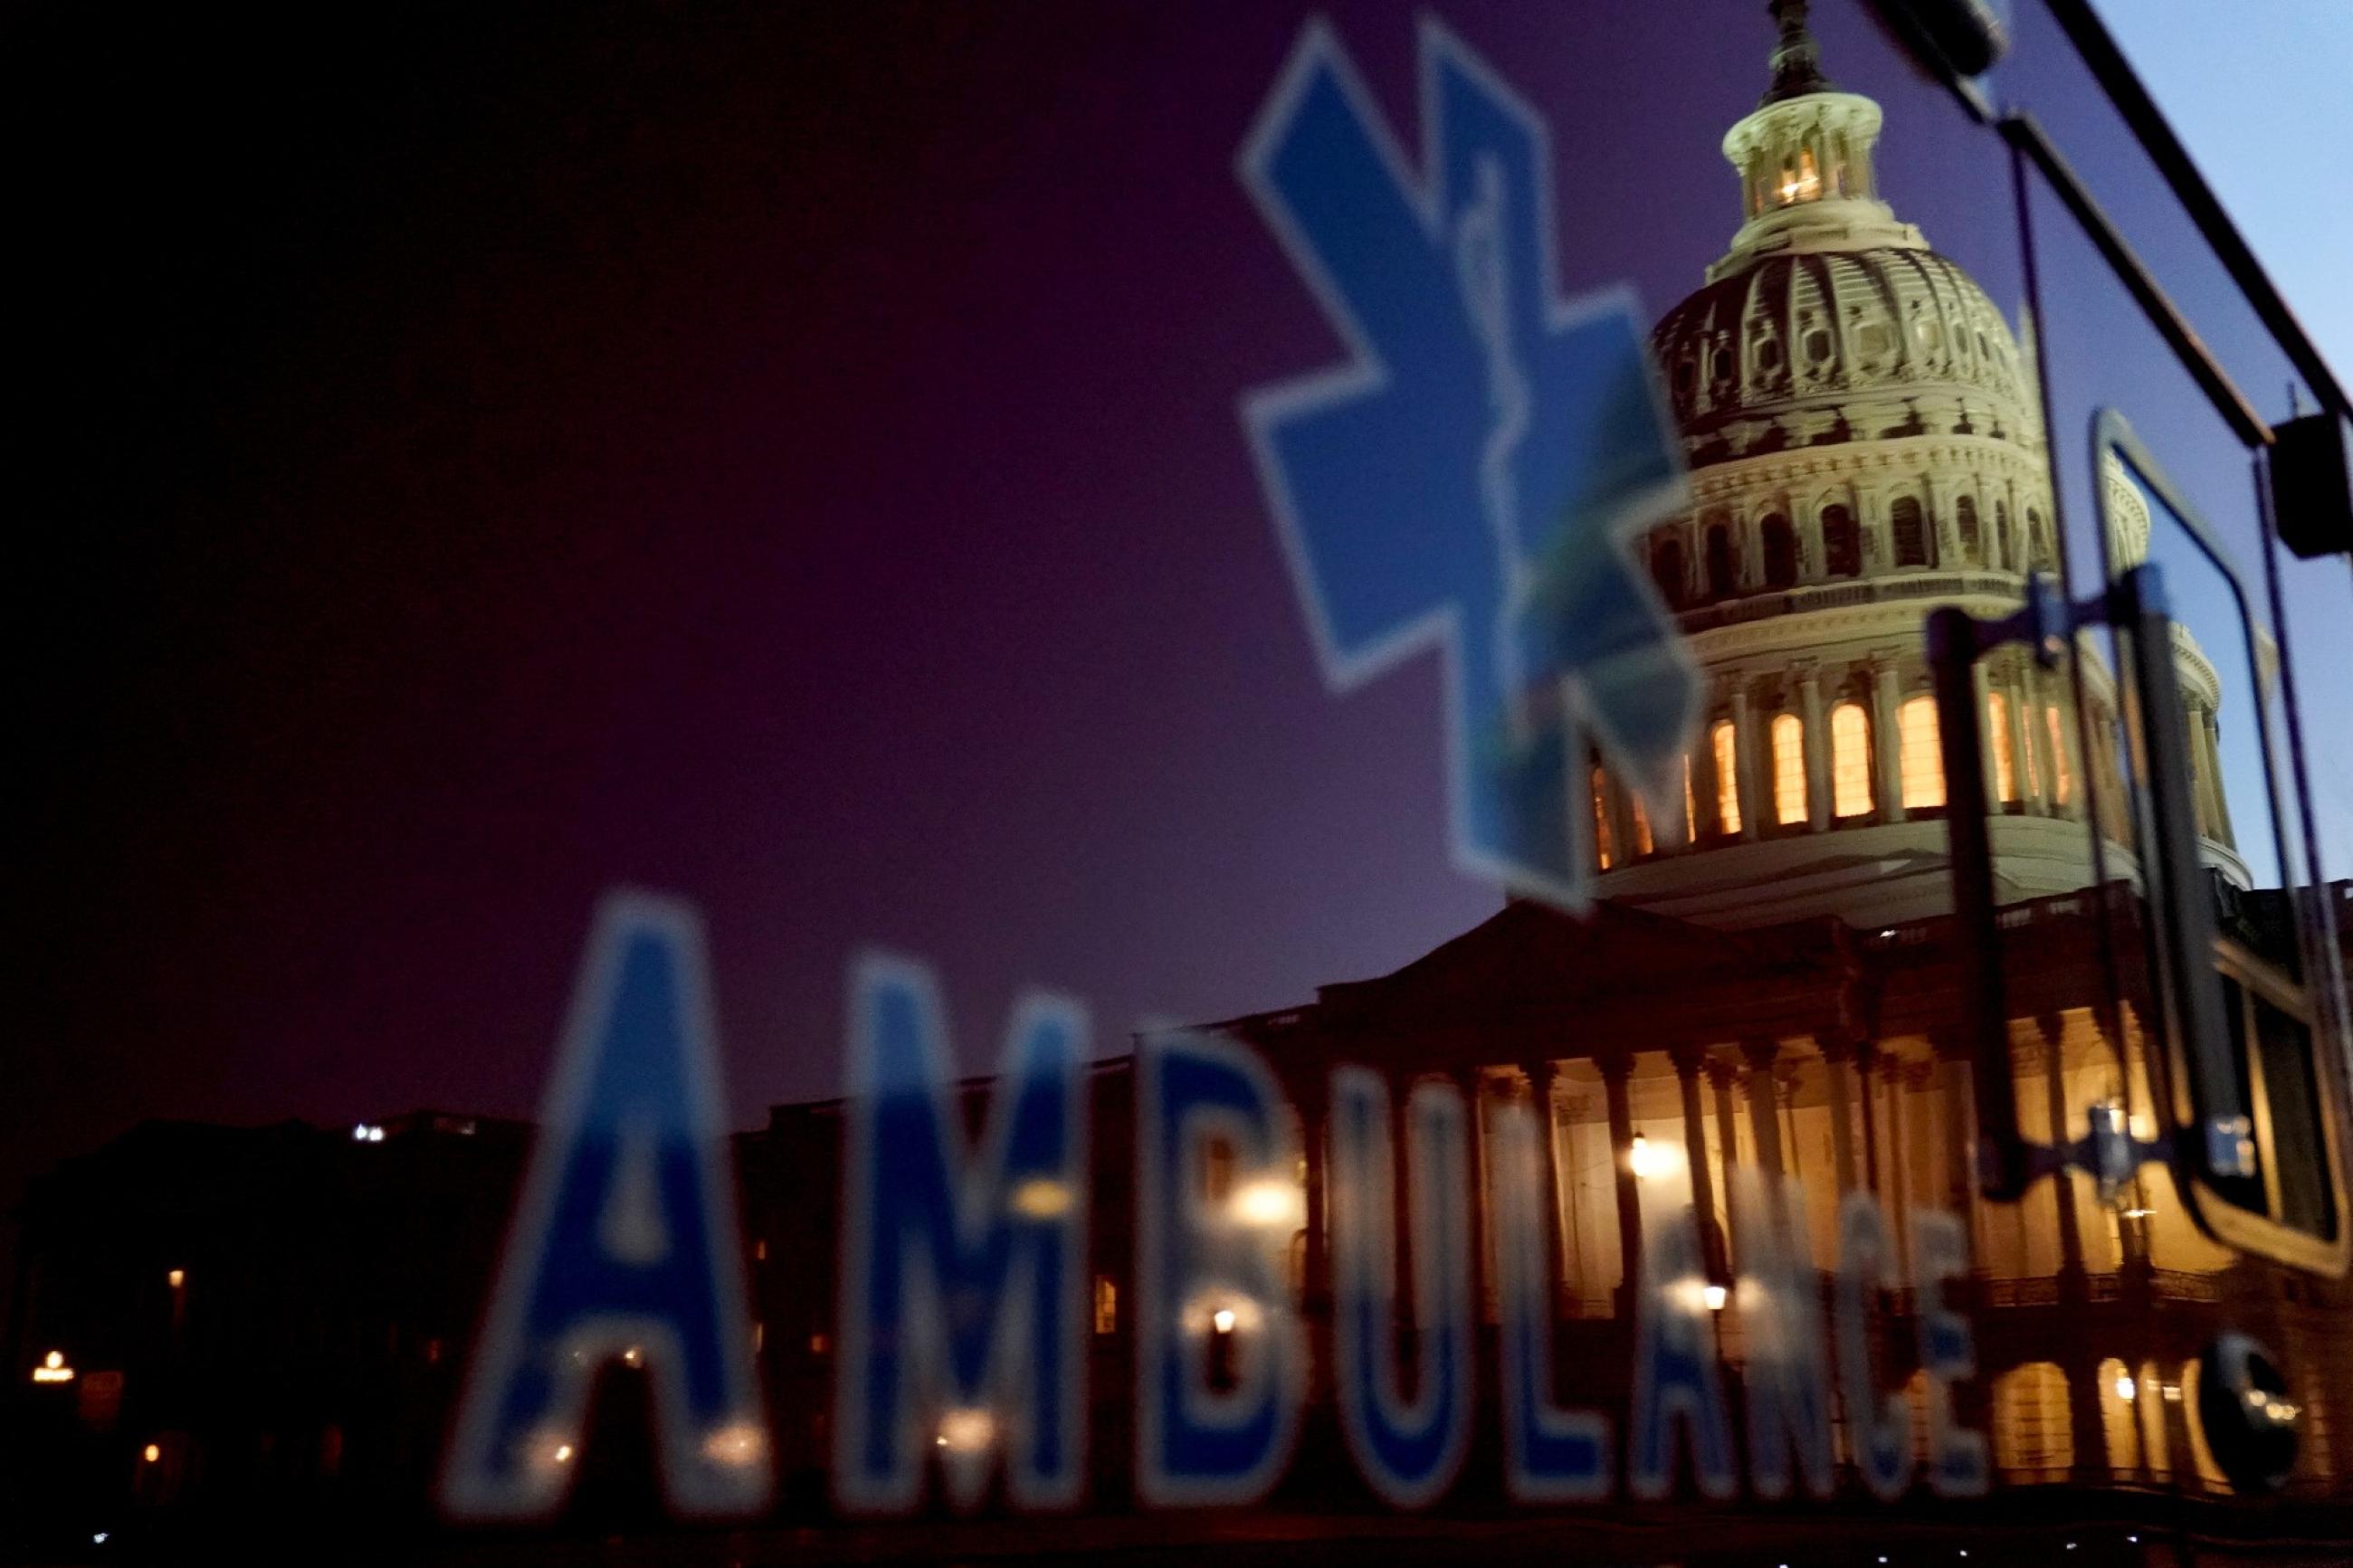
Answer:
(1766, 983)
(1866, 442)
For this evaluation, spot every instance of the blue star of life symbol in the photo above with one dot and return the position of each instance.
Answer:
(1469, 481)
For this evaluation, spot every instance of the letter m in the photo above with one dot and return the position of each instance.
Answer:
(963, 1281)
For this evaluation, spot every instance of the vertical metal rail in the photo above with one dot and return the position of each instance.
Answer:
(1954, 643)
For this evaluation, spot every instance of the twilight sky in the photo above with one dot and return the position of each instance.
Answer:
(784, 457)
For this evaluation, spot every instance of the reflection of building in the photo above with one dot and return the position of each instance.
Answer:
(2125, 509)
(1769, 982)
(1866, 441)
(1767, 986)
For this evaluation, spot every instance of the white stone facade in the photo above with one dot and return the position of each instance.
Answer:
(1865, 443)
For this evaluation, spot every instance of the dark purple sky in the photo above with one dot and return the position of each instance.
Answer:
(783, 457)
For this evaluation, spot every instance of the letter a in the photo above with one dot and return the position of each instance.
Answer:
(625, 1242)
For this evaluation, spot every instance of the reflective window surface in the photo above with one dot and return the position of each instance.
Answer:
(873, 782)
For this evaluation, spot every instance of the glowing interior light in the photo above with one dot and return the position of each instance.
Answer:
(966, 1431)
(178, 1276)
(1222, 1320)
(1645, 1160)
(635, 1355)
(152, 1452)
(2126, 1389)
(1267, 1203)
(738, 1442)
(2172, 1392)
(53, 1369)
(1040, 1197)
(564, 1453)
(1715, 1295)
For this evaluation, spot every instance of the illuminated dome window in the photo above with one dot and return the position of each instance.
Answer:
(1923, 763)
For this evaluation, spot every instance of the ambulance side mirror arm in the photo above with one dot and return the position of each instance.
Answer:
(2181, 903)
(2220, 1145)
(1956, 639)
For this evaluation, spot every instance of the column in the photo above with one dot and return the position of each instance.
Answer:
(1314, 1125)
(1615, 802)
(1703, 779)
(1887, 736)
(1617, 1068)
(2052, 1029)
(1865, 1056)
(1956, 1089)
(1837, 1056)
(2210, 732)
(1543, 1076)
(1687, 1059)
(1312, 1096)
(1721, 1076)
(1932, 523)
(1764, 1120)
(1896, 1193)
(1785, 1074)
(1817, 746)
(1472, 1085)
(2022, 769)
(1980, 691)
(1744, 760)
(2037, 739)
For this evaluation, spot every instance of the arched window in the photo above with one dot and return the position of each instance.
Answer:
(1909, 529)
(2119, 1434)
(2061, 783)
(1788, 770)
(2038, 541)
(1644, 842)
(1667, 569)
(2004, 761)
(1106, 1305)
(2003, 558)
(1849, 760)
(1842, 542)
(1728, 776)
(1965, 517)
(1780, 551)
(1922, 763)
(1723, 574)
(2033, 1429)
(1604, 851)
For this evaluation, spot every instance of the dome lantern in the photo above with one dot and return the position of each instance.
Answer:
(1804, 161)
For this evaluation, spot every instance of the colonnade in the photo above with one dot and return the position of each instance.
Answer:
(2031, 757)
